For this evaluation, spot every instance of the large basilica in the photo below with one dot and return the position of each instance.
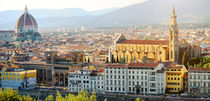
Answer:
(26, 28)
(172, 50)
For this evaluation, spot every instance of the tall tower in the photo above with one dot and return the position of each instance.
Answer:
(173, 39)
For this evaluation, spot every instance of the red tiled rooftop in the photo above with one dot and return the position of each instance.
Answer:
(150, 42)
(175, 67)
(116, 65)
(199, 69)
(143, 65)
(134, 65)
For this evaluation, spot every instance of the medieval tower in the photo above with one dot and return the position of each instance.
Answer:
(173, 39)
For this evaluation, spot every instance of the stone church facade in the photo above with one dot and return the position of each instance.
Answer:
(172, 50)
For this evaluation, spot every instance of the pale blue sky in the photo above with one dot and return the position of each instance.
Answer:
(88, 5)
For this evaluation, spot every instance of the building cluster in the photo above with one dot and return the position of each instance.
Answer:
(104, 61)
(132, 78)
(142, 78)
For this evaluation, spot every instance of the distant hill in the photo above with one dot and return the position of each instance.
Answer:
(158, 12)
(149, 12)
(8, 18)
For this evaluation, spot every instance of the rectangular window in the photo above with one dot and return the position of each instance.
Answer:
(194, 84)
(123, 82)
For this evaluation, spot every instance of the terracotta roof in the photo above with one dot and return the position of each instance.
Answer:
(26, 19)
(199, 69)
(175, 67)
(96, 63)
(150, 42)
(78, 47)
(143, 65)
(167, 64)
(153, 65)
(116, 65)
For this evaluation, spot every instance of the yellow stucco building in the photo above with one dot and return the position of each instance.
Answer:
(174, 50)
(176, 79)
(19, 79)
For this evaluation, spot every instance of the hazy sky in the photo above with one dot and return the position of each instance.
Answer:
(88, 5)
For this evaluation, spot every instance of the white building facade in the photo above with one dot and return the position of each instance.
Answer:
(199, 81)
(135, 78)
(89, 80)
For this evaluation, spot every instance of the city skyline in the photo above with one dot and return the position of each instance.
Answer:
(142, 52)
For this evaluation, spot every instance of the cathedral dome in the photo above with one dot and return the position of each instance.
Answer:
(26, 28)
(26, 22)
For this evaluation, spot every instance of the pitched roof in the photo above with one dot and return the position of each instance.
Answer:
(116, 65)
(150, 42)
(199, 69)
(143, 65)
(153, 65)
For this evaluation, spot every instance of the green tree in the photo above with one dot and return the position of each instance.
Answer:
(71, 97)
(9, 95)
(27, 98)
(199, 62)
(138, 99)
(207, 65)
(82, 96)
(59, 97)
(122, 60)
(144, 60)
(93, 96)
(49, 98)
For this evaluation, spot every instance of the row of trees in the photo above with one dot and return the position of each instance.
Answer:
(12, 95)
(82, 96)
(203, 62)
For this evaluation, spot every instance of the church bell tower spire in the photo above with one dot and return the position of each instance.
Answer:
(173, 38)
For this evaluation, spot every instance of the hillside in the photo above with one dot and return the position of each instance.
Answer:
(149, 12)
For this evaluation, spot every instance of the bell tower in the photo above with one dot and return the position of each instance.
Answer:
(173, 39)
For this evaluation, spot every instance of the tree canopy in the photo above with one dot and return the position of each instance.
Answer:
(203, 62)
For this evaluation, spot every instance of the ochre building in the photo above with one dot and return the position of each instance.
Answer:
(173, 50)
(176, 79)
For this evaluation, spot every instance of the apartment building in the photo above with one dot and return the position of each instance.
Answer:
(176, 78)
(89, 80)
(199, 81)
(135, 78)
(19, 79)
